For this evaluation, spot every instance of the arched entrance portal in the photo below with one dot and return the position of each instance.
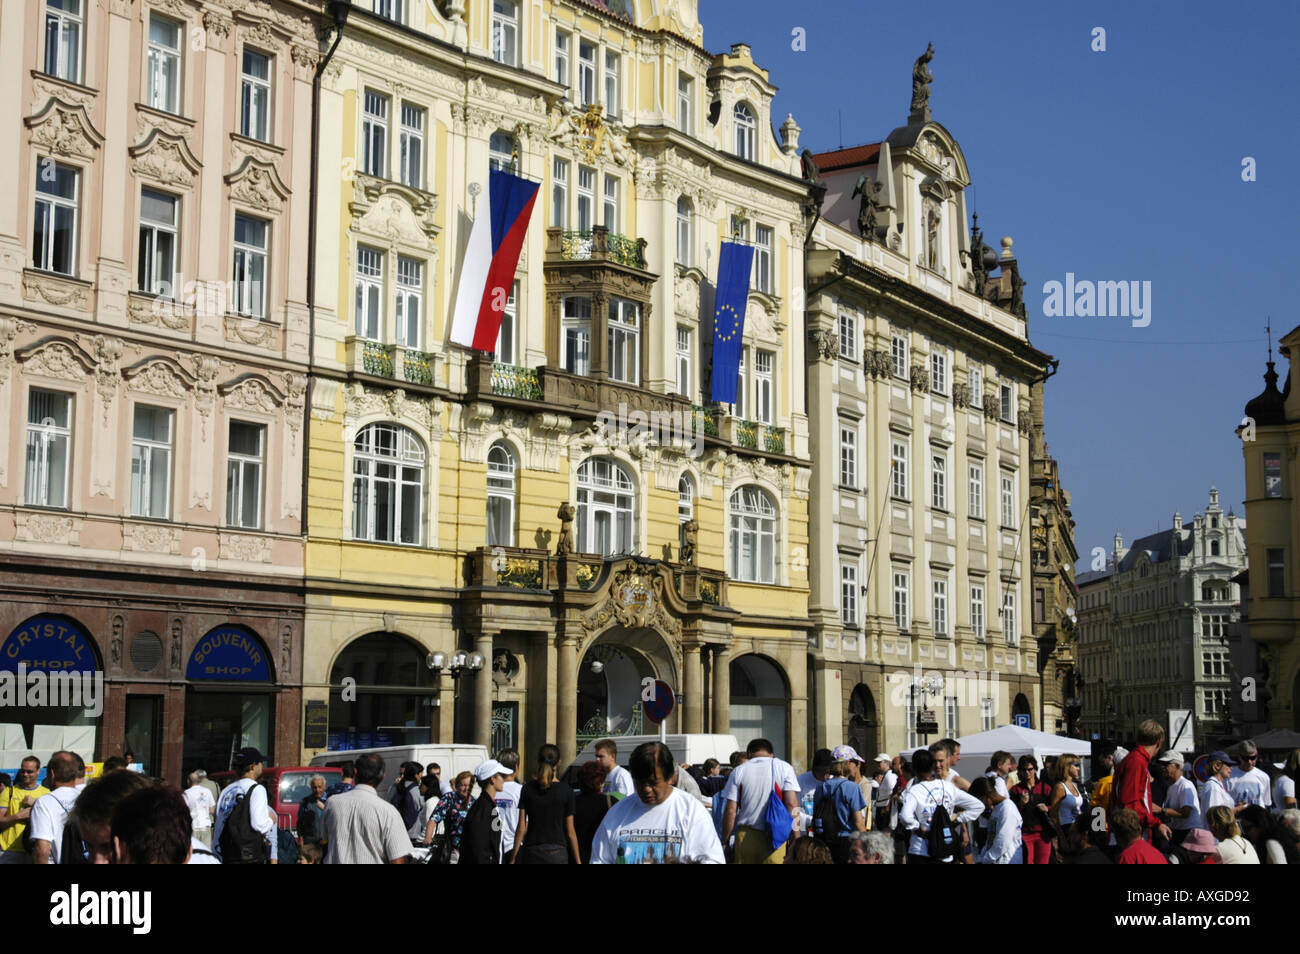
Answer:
(760, 703)
(863, 725)
(610, 676)
(1020, 707)
(394, 694)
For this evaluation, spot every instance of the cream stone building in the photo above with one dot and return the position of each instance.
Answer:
(921, 370)
(153, 350)
(447, 599)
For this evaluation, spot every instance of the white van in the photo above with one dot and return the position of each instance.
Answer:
(454, 759)
(689, 749)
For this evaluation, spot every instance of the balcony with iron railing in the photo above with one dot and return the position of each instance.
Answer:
(363, 356)
(598, 244)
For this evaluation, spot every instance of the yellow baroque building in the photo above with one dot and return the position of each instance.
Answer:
(450, 594)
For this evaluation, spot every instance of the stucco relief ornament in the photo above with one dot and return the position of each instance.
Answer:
(56, 361)
(159, 379)
(108, 353)
(251, 395)
(961, 395)
(206, 368)
(825, 344)
(920, 378)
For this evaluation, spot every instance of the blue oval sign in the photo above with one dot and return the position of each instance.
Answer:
(660, 704)
(50, 643)
(229, 653)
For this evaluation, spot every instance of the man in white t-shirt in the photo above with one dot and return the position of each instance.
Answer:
(1249, 783)
(809, 782)
(203, 808)
(922, 799)
(618, 781)
(1182, 808)
(50, 812)
(1284, 792)
(748, 789)
(885, 789)
(249, 762)
(508, 803)
(660, 824)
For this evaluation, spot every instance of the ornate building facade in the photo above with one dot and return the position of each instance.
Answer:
(679, 547)
(921, 372)
(153, 350)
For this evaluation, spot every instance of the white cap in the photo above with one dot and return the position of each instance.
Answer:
(884, 757)
(485, 770)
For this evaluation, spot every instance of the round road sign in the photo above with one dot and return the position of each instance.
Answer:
(660, 704)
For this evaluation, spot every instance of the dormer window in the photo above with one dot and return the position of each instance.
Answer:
(744, 120)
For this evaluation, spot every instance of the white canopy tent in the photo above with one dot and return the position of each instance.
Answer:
(977, 749)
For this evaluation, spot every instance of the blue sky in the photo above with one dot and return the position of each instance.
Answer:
(1116, 165)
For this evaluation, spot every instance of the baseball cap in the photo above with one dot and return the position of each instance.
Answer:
(1223, 757)
(822, 758)
(845, 753)
(248, 756)
(485, 770)
(1121, 753)
(884, 757)
(1169, 755)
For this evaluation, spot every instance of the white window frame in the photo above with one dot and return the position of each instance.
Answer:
(249, 293)
(1009, 630)
(950, 716)
(44, 472)
(407, 456)
(255, 97)
(987, 715)
(161, 62)
(976, 388)
(1007, 485)
(742, 382)
(898, 484)
(902, 600)
(559, 193)
(613, 83)
(576, 334)
(975, 489)
(939, 371)
(507, 343)
(684, 352)
(48, 207)
(502, 490)
(505, 32)
(754, 516)
(586, 72)
(563, 47)
(501, 151)
(848, 456)
(898, 351)
(411, 147)
(849, 593)
(848, 336)
(586, 198)
(764, 237)
(938, 482)
(374, 134)
(64, 32)
(1007, 399)
(146, 453)
(394, 10)
(244, 475)
(745, 123)
(939, 605)
(368, 294)
(624, 340)
(155, 269)
(764, 385)
(606, 493)
(610, 208)
(978, 622)
(684, 215)
(685, 102)
(410, 302)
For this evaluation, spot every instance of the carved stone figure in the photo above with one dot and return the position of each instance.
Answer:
(867, 189)
(566, 513)
(690, 534)
(921, 80)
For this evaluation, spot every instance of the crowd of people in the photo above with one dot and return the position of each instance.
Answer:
(1140, 807)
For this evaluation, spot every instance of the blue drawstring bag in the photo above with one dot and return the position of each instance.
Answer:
(779, 820)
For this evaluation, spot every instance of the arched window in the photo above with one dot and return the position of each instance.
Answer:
(685, 505)
(501, 496)
(606, 507)
(753, 536)
(683, 231)
(744, 121)
(501, 149)
(387, 485)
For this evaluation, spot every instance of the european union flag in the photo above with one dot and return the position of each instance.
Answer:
(734, 262)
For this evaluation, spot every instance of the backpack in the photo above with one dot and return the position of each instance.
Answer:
(826, 820)
(286, 847)
(780, 823)
(945, 834)
(402, 802)
(72, 849)
(241, 843)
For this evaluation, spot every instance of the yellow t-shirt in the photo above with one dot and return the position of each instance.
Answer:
(11, 839)
(1101, 794)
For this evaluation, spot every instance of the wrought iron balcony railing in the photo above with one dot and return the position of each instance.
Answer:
(512, 381)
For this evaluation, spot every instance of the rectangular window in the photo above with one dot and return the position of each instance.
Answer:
(950, 716)
(898, 470)
(63, 23)
(684, 361)
(763, 258)
(1040, 604)
(255, 96)
(368, 299)
(1276, 573)
(763, 361)
(586, 73)
(374, 135)
(559, 193)
(244, 475)
(939, 483)
(976, 388)
(684, 97)
(975, 472)
(250, 266)
(505, 349)
(612, 65)
(412, 146)
(562, 46)
(54, 228)
(586, 197)
(909, 717)
(1008, 501)
(1215, 701)
(151, 462)
(624, 341)
(1008, 410)
(977, 610)
(683, 232)
(898, 351)
(163, 85)
(986, 715)
(939, 592)
(848, 337)
(1009, 617)
(394, 10)
(849, 594)
(49, 447)
(577, 335)
(505, 30)
(1272, 475)
(1215, 626)
(410, 301)
(939, 372)
(849, 456)
(902, 611)
(156, 268)
(611, 203)
(742, 383)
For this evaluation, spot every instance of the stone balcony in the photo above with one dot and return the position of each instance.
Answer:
(391, 361)
(595, 245)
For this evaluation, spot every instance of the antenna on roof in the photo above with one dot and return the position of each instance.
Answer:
(1268, 327)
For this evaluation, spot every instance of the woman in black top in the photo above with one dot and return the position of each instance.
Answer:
(546, 835)
(590, 806)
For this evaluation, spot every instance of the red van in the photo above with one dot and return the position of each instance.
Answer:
(286, 787)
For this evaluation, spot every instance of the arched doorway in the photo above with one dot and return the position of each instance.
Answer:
(1020, 707)
(229, 700)
(760, 702)
(863, 725)
(610, 677)
(392, 698)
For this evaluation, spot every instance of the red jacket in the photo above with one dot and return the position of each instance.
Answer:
(1132, 789)
(1140, 853)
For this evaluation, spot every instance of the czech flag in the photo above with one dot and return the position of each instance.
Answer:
(734, 263)
(488, 273)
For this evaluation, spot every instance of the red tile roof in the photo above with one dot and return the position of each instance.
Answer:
(602, 5)
(846, 158)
